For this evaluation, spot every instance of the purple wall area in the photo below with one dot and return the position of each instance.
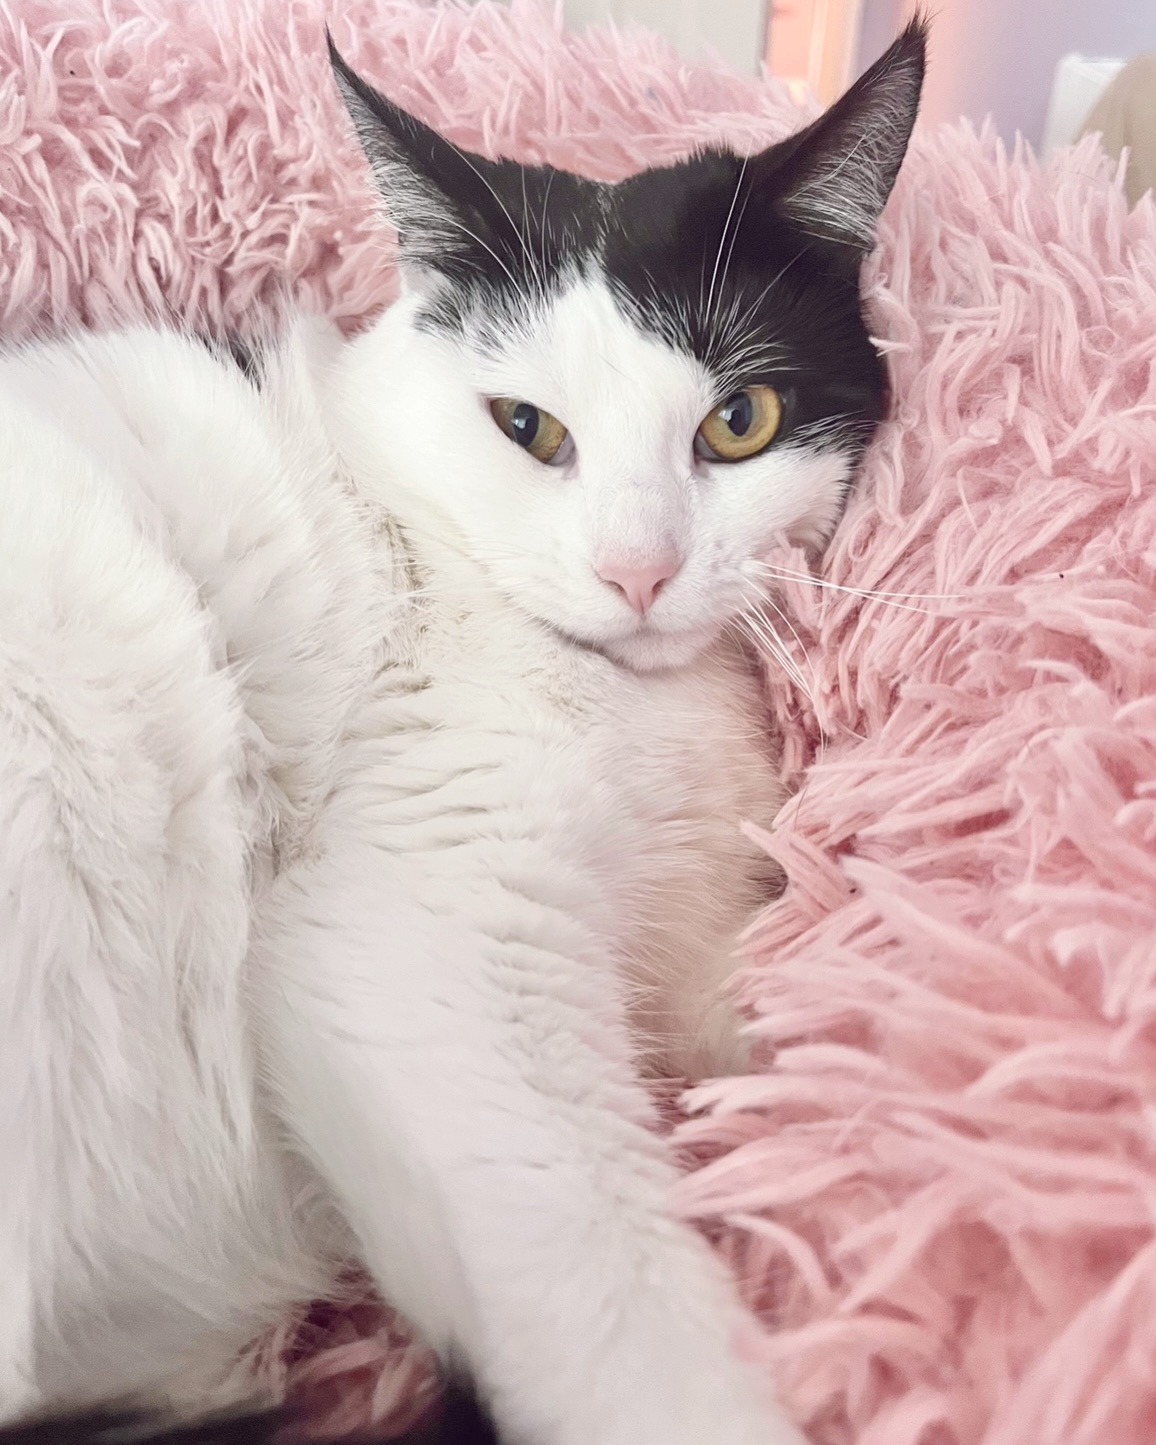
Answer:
(999, 56)
(878, 25)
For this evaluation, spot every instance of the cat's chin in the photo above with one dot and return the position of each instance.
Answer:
(647, 650)
(653, 651)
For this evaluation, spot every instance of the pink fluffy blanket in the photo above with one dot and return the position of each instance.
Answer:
(940, 1192)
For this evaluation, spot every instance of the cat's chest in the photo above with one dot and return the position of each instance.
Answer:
(569, 738)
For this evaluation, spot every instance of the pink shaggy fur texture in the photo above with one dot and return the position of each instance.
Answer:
(940, 1191)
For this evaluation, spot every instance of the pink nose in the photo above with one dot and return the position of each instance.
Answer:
(640, 585)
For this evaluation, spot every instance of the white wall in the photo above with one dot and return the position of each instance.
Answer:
(999, 56)
(734, 29)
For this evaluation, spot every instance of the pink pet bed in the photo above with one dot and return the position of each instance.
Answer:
(940, 1192)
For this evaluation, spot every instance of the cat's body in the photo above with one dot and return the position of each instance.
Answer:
(383, 705)
(348, 826)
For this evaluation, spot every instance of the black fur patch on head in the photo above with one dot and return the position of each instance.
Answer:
(695, 259)
(751, 265)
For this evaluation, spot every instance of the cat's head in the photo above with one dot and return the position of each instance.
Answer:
(615, 397)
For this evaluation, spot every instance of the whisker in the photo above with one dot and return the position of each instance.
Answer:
(734, 308)
(730, 351)
(524, 232)
(545, 220)
(763, 630)
(465, 230)
(726, 232)
(890, 599)
(812, 692)
(505, 210)
(767, 641)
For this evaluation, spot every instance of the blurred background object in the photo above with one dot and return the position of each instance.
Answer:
(815, 43)
(1125, 119)
(1078, 84)
(734, 29)
(1004, 57)
(1037, 67)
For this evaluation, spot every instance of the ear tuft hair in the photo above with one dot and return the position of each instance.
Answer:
(410, 162)
(840, 171)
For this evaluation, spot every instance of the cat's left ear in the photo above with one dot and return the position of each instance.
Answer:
(835, 179)
(440, 198)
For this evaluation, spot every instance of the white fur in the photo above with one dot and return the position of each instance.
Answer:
(346, 819)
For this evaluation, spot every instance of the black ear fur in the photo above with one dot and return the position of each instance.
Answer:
(835, 177)
(445, 202)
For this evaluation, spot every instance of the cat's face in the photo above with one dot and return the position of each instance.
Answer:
(618, 397)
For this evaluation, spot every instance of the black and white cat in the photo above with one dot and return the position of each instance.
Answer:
(374, 738)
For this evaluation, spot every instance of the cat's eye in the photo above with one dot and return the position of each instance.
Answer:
(744, 424)
(531, 428)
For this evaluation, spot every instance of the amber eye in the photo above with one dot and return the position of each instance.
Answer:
(741, 426)
(541, 434)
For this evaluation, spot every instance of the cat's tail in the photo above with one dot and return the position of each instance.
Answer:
(460, 1421)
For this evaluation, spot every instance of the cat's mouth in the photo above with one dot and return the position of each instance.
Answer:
(646, 648)
(651, 650)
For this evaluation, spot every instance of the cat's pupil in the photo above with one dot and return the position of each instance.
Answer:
(739, 413)
(525, 421)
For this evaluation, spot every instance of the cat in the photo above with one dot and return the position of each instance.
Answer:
(375, 731)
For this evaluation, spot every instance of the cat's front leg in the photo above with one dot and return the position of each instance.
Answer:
(465, 1089)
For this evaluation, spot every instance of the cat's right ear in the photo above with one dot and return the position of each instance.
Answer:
(423, 178)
